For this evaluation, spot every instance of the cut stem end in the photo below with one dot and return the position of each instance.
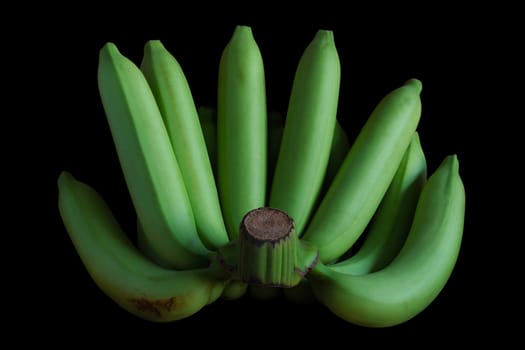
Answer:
(270, 253)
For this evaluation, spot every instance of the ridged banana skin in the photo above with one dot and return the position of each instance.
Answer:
(366, 173)
(241, 129)
(173, 95)
(308, 130)
(391, 223)
(149, 165)
(121, 271)
(417, 275)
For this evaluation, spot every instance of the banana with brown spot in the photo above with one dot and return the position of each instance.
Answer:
(134, 282)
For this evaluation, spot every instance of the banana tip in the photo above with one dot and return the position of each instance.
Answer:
(415, 83)
(153, 44)
(324, 36)
(242, 32)
(451, 161)
(64, 178)
(454, 159)
(108, 51)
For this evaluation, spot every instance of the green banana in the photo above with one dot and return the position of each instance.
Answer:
(145, 246)
(275, 134)
(302, 293)
(308, 130)
(237, 200)
(366, 173)
(121, 271)
(419, 272)
(234, 289)
(338, 152)
(149, 165)
(208, 121)
(390, 225)
(172, 93)
(241, 129)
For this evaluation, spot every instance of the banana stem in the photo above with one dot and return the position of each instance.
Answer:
(270, 252)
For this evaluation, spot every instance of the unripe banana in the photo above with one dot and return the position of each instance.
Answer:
(173, 95)
(234, 289)
(308, 130)
(149, 165)
(366, 173)
(145, 246)
(419, 272)
(208, 120)
(121, 271)
(338, 152)
(390, 225)
(241, 129)
(275, 134)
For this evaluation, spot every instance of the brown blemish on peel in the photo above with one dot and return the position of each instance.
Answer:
(155, 307)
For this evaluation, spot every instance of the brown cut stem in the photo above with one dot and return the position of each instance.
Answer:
(266, 225)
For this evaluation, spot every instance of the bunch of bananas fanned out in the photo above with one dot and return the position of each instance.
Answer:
(238, 199)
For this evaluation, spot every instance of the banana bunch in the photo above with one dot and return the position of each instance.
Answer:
(237, 198)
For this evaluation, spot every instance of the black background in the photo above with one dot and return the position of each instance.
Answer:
(449, 51)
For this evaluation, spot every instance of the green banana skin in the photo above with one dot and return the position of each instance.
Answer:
(390, 225)
(404, 288)
(275, 134)
(121, 271)
(145, 247)
(366, 173)
(234, 289)
(173, 95)
(302, 293)
(208, 121)
(308, 130)
(241, 129)
(338, 152)
(149, 165)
